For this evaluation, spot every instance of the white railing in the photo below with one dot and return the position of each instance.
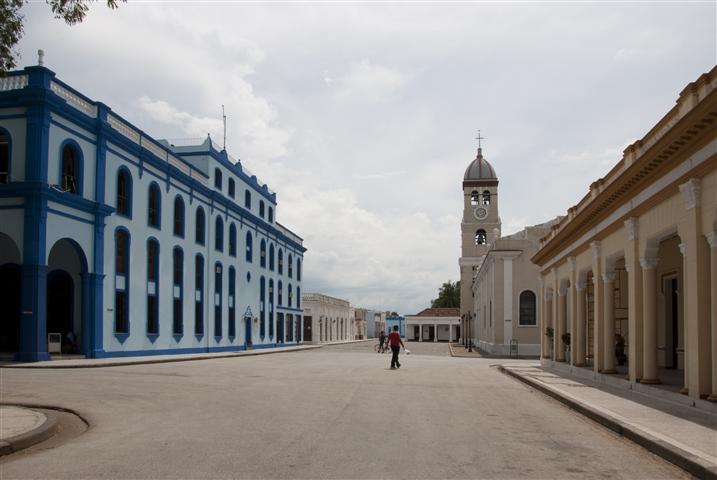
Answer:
(200, 177)
(177, 163)
(75, 100)
(15, 82)
(289, 233)
(154, 148)
(123, 128)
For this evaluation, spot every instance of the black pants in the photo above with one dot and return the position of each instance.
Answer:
(394, 358)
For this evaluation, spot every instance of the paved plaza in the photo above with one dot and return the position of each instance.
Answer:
(334, 412)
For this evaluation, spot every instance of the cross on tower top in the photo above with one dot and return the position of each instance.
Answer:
(479, 138)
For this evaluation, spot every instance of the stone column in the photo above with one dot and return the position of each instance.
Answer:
(579, 340)
(541, 317)
(608, 279)
(696, 276)
(598, 309)
(634, 301)
(573, 300)
(550, 351)
(562, 307)
(450, 333)
(435, 332)
(712, 239)
(649, 316)
(420, 332)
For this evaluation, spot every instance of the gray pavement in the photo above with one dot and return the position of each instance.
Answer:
(685, 435)
(335, 412)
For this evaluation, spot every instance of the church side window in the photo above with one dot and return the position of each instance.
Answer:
(199, 295)
(247, 199)
(152, 287)
(124, 193)
(262, 254)
(271, 257)
(4, 158)
(475, 197)
(121, 275)
(218, 301)
(70, 168)
(219, 235)
(261, 208)
(232, 309)
(527, 308)
(271, 308)
(486, 197)
(481, 237)
(178, 294)
(233, 240)
(281, 261)
(217, 179)
(199, 227)
(154, 216)
(179, 217)
(290, 266)
(262, 312)
(248, 247)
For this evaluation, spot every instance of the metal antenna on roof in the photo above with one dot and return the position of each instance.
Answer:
(224, 119)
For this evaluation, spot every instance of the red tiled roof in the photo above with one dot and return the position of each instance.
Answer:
(439, 312)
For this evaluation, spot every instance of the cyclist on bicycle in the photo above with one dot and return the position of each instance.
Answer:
(381, 341)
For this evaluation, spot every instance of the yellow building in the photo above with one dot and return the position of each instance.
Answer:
(631, 271)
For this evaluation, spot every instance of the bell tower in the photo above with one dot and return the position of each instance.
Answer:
(480, 226)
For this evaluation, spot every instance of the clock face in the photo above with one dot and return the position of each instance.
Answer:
(480, 213)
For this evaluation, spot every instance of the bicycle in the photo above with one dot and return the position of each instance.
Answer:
(381, 349)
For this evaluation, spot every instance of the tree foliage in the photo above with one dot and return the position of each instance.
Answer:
(11, 23)
(449, 295)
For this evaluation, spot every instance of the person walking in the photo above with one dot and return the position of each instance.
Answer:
(395, 342)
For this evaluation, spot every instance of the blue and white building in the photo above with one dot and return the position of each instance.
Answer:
(132, 245)
(396, 321)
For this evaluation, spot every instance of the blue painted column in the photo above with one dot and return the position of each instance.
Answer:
(96, 282)
(33, 324)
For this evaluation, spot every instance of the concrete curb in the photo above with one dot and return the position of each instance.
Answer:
(151, 360)
(32, 437)
(672, 453)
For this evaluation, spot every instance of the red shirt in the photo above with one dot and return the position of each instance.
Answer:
(394, 339)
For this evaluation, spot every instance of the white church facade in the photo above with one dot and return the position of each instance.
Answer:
(126, 245)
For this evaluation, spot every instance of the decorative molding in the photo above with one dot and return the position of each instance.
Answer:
(573, 262)
(691, 192)
(581, 285)
(712, 239)
(609, 277)
(683, 249)
(14, 82)
(595, 248)
(649, 263)
(631, 226)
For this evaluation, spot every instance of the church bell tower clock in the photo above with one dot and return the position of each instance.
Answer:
(480, 225)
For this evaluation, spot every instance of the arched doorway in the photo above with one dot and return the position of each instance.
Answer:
(66, 291)
(10, 296)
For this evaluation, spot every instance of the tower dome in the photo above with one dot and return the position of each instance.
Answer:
(480, 171)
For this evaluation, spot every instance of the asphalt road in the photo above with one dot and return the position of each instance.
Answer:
(336, 412)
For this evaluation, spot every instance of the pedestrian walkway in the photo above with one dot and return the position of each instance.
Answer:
(139, 360)
(682, 434)
(459, 350)
(22, 427)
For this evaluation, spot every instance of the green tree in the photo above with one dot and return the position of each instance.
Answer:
(11, 23)
(449, 295)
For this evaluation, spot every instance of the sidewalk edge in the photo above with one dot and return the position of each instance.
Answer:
(669, 452)
(24, 440)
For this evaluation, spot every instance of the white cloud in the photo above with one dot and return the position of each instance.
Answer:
(369, 81)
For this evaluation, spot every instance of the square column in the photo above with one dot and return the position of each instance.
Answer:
(579, 341)
(634, 301)
(435, 332)
(712, 240)
(608, 279)
(562, 308)
(649, 326)
(598, 308)
(573, 300)
(698, 375)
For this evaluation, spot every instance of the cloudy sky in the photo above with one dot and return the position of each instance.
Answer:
(362, 117)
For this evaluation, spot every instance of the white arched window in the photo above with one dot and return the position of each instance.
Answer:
(527, 308)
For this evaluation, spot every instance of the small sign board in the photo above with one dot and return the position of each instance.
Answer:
(54, 343)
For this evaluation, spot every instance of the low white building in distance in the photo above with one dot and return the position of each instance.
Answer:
(434, 325)
(327, 319)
